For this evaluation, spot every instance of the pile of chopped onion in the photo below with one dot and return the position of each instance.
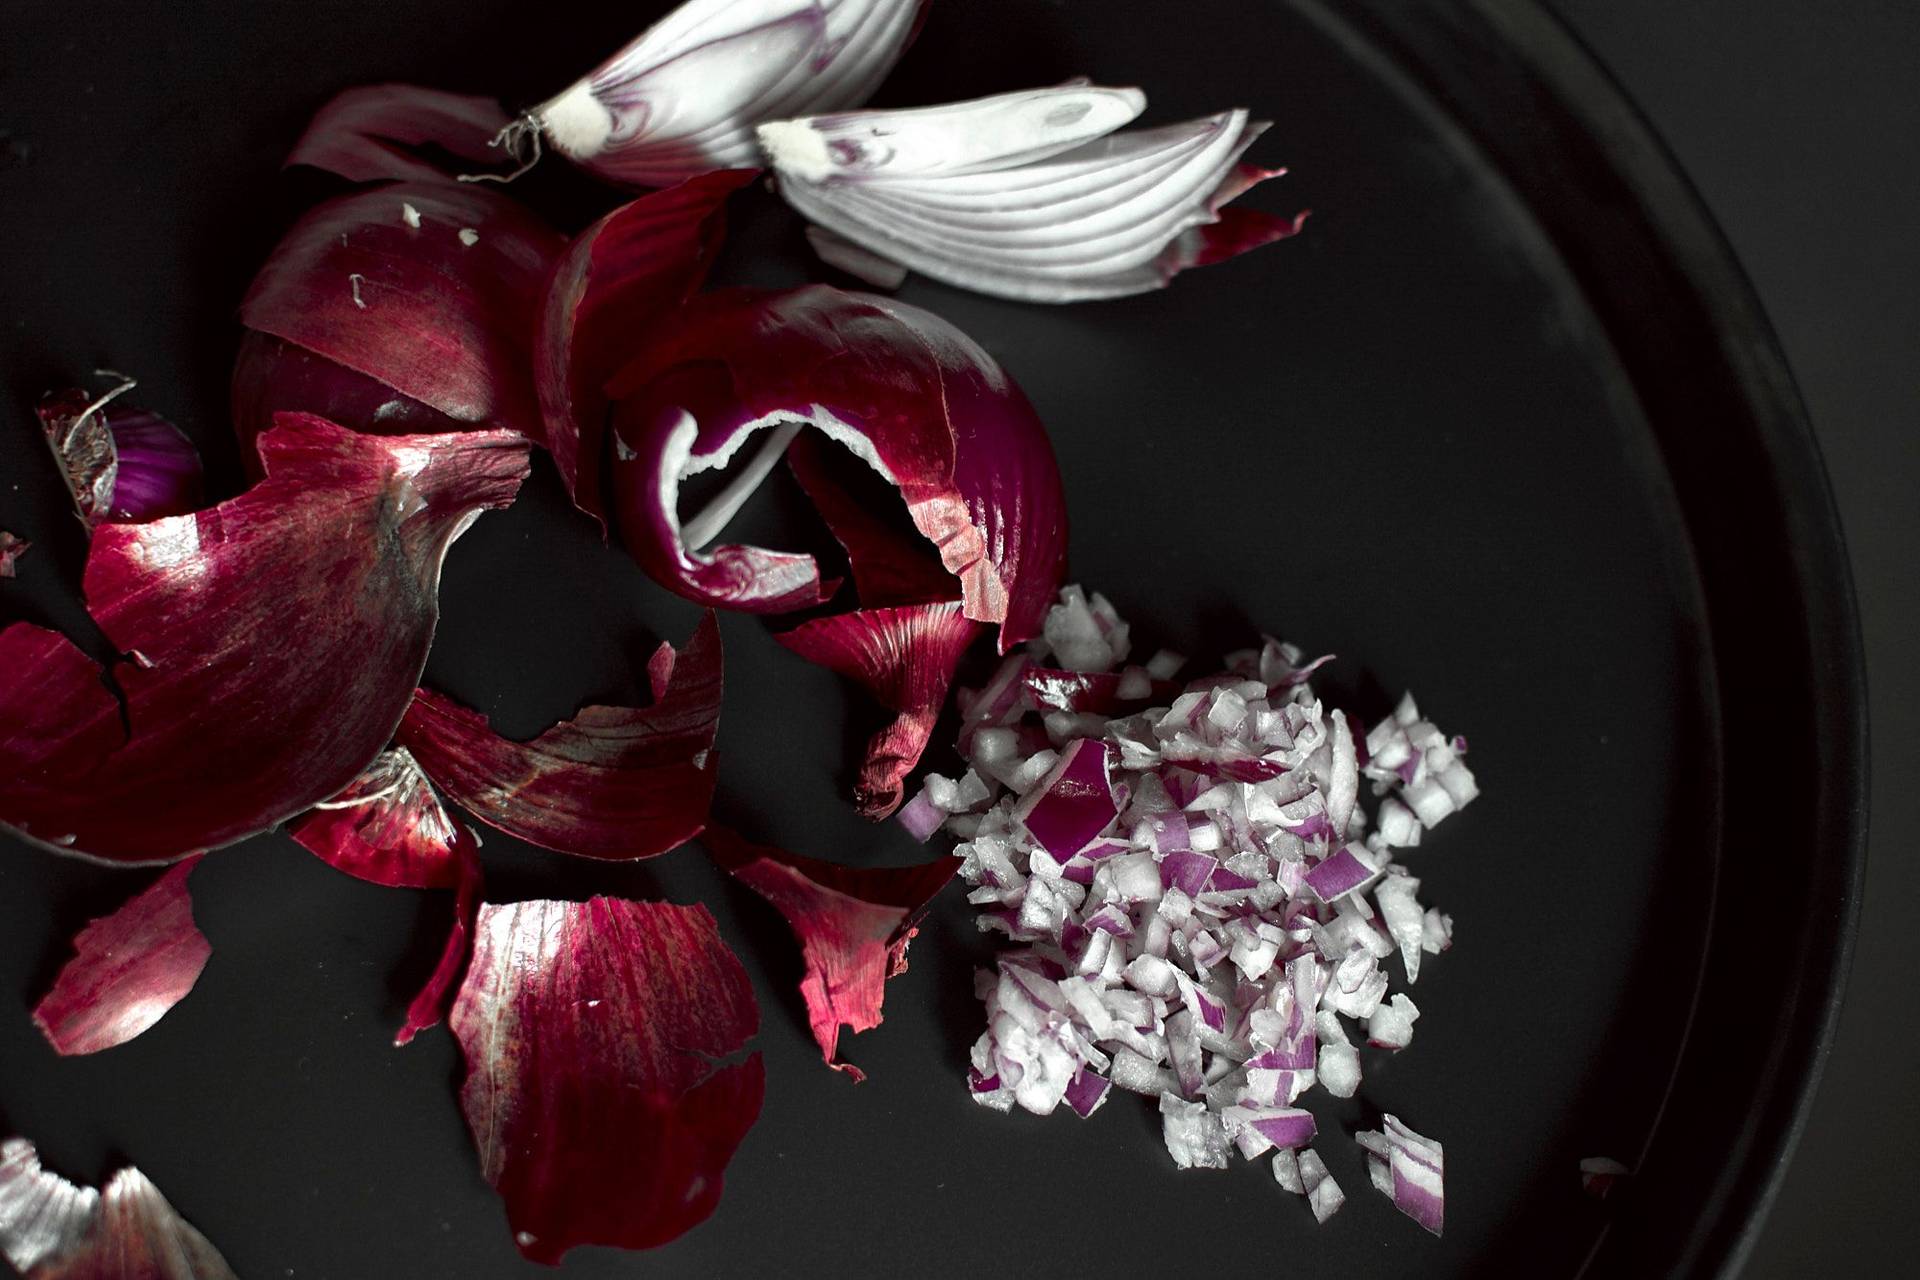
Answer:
(1205, 905)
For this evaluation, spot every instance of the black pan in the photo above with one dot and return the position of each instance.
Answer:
(1505, 426)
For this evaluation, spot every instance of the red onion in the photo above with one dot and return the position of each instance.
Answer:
(373, 133)
(591, 1032)
(1411, 1171)
(233, 721)
(613, 782)
(128, 969)
(121, 465)
(1023, 195)
(683, 97)
(51, 1229)
(853, 923)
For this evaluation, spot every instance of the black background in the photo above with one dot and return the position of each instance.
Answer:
(1800, 124)
(1788, 118)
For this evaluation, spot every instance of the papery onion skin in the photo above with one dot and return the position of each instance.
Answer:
(129, 968)
(853, 923)
(888, 567)
(439, 317)
(430, 1004)
(369, 133)
(593, 1033)
(620, 275)
(385, 827)
(905, 657)
(918, 400)
(12, 547)
(613, 783)
(51, 1229)
(120, 463)
(238, 721)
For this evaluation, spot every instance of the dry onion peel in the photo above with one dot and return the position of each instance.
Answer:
(372, 133)
(51, 1229)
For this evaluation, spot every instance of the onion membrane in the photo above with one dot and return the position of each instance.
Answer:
(128, 969)
(51, 1229)
(593, 1033)
(854, 925)
(373, 133)
(227, 720)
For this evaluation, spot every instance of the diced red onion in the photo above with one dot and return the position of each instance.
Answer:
(1323, 1193)
(1074, 803)
(1416, 1172)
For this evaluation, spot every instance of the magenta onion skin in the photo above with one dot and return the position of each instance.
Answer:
(371, 133)
(129, 968)
(51, 1229)
(235, 720)
(923, 404)
(386, 827)
(853, 924)
(612, 783)
(592, 1033)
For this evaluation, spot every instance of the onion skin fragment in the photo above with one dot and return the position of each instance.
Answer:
(121, 464)
(234, 720)
(367, 133)
(51, 1229)
(129, 968)
(853, 924)
(590, 1031)
(12, 547)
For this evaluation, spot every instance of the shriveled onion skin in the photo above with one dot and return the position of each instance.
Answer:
(613, 783)
(918, 399)
(417, 309)
(591, 1032)
(51, 1229)
(128, 969)
(616, 278)
(905, 657)
(854, 925)
(274, 642)
(367, 133)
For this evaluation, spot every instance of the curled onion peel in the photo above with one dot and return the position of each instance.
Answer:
(889, 567)
(428, 289)
(128, 969)
(592, 1033)
(120, 464)
(1029, 195)
(620, 275)
(370, 133)
(909, 394)
(233, 721)
(854, 925)
(51, 1229)
(905, 657)
(684, 96)
(613, 782)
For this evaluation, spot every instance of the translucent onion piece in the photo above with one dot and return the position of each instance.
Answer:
(427, 288)
(905, 657)
(683, 97)
(592, 1032)
(12, 547)
(620, 275)
(119, 463)
(909, 394)
(235, 720)
(51, 1229)
(613, 782)
(387, 827)
(372, 133)
(854, 925)
(128, 969)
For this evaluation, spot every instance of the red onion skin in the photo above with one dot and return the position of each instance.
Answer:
(53, 1230)
(430, 1005)
(853, 923)
(368, 133)
(238, 720)
(613, 783)
(128, 969)
(590, 1031)
(888, 568)
(388, 828)
(272, 376)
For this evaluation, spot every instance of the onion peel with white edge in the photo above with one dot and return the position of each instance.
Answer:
(611, 783)
(120, 464)
(51, 1229)
(913, 397)
(228, 719)
(128, 969)
(853, 923)
(371, 133)
(597, 1091)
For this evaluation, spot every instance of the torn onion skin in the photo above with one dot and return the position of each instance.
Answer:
(120, 464)
(888, 567)
(591, 1032)
(682, 98)
(921, 402)
(905, 657)
(426, 288)
(128, 969)
(387, 827)
(429, 1006)
(854, 925)
(613, 783)
(12, 547)
(617, 277)
(371, 133)
(235, 721)
(51, 1229)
